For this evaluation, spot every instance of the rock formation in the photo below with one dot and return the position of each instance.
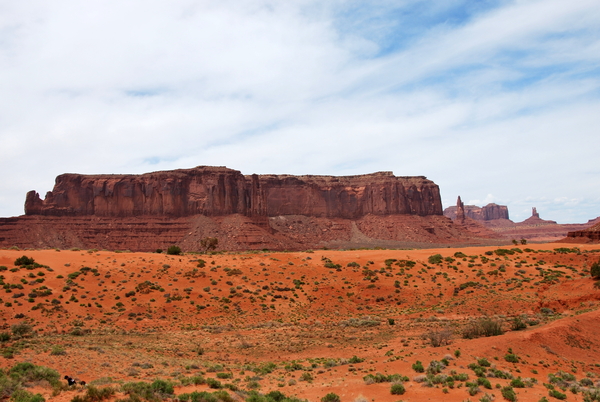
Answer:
(219, 191)
(155, 210)
(591, 234)
(460, 211)
(487, 213)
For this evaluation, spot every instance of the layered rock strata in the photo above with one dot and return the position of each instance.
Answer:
(219, 191)
(154, 210)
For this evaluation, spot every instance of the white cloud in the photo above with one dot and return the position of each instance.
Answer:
(501, 102)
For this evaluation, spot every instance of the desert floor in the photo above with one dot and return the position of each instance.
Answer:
(310, 323)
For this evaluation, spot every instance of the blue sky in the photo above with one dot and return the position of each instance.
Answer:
(495, 101)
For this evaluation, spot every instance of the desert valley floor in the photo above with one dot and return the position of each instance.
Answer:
(354, 323)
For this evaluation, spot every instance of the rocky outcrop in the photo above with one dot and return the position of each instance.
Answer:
(460, 211)
(219, 191)
(487, 213)
(591, 234)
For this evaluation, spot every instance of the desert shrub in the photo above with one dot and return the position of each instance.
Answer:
(22, 395)
(509, 394)
(438, 337)
(24, 260)
(4, 337)
(483, 362)
(503, 251)
(209, 243)
(397, 389)
(473, 388)
(483, 327)
(435, 367)
(460, 254)
(353, 264)
(174, 250)
(224, 376)
(158, 389)
(511, 357)
(484, 382)
(379, 378)
(201, 263)
(518, 324)
(22, 330)
(95, 394)
(331, 397)
(306, 376)
(212, 383)
(495, 373)
(418, 367)
(591, 395)
(57, 350)
(594, 270)
(27, 372)
(355, 359)
(435, 259)
(557, 394)
(198, 397)
(517, 383)
(486, 398)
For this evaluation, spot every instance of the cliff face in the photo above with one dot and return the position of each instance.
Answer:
(488, 213)
(219, 191)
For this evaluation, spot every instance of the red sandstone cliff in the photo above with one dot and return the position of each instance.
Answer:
(155, 210)
(219, 191)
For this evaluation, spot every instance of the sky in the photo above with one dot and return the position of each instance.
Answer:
(493, 100)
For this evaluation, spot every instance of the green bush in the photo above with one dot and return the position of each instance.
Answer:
(418, 367)
(595, 270)
(22, 395)
(21, 261)
(397, 389)
(331, 397)
(158, 389)
(94, 394)
(198, 397)
(435, 259)
(483, 362)
(212, 383)
(518, 324)
(511, 357)
(509, 394)
(557, 394)
(174, 250)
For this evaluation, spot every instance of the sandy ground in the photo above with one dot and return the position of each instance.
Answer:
(121, 317)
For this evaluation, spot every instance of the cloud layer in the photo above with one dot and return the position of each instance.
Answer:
(501, 97)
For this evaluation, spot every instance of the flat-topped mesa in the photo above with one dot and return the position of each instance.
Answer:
(219, 191)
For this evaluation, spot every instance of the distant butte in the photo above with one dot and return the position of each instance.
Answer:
(492, 220)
